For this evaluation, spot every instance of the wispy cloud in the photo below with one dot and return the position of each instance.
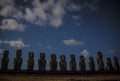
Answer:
(85, 53)
(48, 12)
(15, 43)
(11, 24)
(73, 42)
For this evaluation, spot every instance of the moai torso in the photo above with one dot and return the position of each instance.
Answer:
(100, 61)
(91, 64)
(63, 64)
(5, 60)
(109, 64)
(53, 63)
(42, 62)
(18, 60)
(82, 63)
(30, 61)
(72, 63)
(116, 64)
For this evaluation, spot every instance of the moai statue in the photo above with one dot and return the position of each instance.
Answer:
(5, 60)
(18, 60)
(72, 63)
(53, 63)
(63, 63)
(30, 61)
(42, 62)
(82, 63)
(91, 64)
(116, 64)
(100, 61)
(109, 64)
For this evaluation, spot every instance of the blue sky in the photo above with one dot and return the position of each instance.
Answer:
(79, 27)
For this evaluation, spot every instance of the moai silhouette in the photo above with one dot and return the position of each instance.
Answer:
(18, 60)
(91, 64)
(82, 63)
(100, 61)
(109, 64)
(30, 61)
(72, 63)
(63, 63)
(53, 63)
(5, 60)
(42, 62)
(116, 64)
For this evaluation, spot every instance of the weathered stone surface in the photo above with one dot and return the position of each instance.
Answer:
(109, 64)
(91, 64)
(82, 63)
(30, 61)
(116, 64)
(100, 61)
(63, 63)
(72, 63)
(42, 62)
(5, 60)
(53, 63)
(18, 60)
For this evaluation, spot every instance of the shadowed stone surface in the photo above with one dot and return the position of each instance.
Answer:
(42, 62)
(82, 63)
(30, 61)
(100, 61)
(63, 63)
(18, 60)
(5, 60)
(53, 63)
(72, 63)
(91, 64)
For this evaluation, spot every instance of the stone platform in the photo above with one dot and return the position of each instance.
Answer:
(59, 76)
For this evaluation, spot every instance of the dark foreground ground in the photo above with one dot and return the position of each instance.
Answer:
(25, 75)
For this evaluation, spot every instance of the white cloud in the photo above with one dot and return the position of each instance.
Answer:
(73, 42)
(11, 24)
(15, 43)
(48, 12)
(85, 53)
(73, 7)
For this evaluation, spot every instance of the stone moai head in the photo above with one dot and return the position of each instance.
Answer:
(115, 58)
(53, 57)
(5, 54)
(18, 53)
(42, 55)
(72, 57)
(91, 59)
(99, 54)
(108, 59)
(31, 55)
(82, 58)
(62, 58)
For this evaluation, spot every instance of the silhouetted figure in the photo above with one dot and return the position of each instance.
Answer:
(82, 63)
(53, 63)
(63, 63)
(116, 64)
(18, 60)
(5, 60)
(72, 63)
(100, 61)
(30, 61)
(91, 64)
(42, 62)
(109, 64)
